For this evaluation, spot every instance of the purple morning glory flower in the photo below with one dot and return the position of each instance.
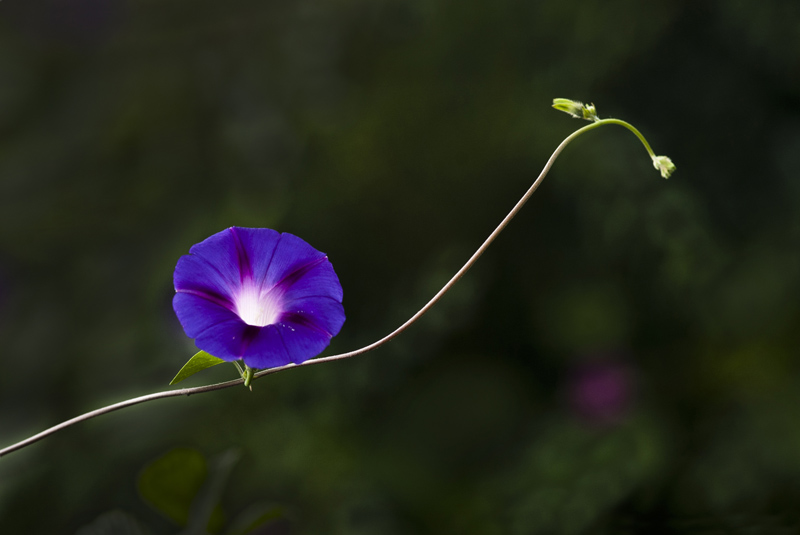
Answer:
(258, 295)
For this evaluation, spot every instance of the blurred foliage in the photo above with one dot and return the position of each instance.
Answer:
(171, 482)
(622, 360)
(183, 487)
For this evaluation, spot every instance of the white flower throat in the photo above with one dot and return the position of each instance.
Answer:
(259, 307)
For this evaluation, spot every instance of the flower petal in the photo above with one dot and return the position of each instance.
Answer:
(257, 246)
(303, 341)
(291, 257)
(229, 340)
(320, 313)
(195, 275)
(285, 343)
(267, 349)
(197, 314)
(317, 280)
(223, 252)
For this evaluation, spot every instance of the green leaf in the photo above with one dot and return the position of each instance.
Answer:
(200, 361)
(171, 482)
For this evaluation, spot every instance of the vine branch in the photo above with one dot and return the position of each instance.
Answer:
(460, 273)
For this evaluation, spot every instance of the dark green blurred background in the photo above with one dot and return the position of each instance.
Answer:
(622, 360)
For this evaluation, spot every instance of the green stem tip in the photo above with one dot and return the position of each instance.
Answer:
(579, 110)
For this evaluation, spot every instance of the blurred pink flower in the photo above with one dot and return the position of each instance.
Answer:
(601, 392)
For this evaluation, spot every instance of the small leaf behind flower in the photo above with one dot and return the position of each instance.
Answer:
(200, 361)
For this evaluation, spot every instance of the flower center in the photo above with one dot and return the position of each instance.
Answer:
(257, 307)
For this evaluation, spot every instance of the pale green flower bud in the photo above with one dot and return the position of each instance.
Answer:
(664, 164)
(577, 109)
(573, 107)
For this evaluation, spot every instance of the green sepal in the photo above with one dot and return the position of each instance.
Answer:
(200, 361)
(248, 375)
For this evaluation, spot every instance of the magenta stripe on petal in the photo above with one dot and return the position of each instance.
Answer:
(257, 246)
(292, 254)
(317, 279)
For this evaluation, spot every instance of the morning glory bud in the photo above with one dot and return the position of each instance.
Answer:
(572, 107)
(664, 164)
(577, 109)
